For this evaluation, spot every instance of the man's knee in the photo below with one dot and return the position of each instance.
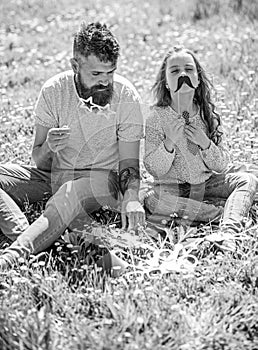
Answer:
(12, 175)
(103, 184)
(5, 173)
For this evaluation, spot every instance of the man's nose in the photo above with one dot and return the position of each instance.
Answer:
(105, 81)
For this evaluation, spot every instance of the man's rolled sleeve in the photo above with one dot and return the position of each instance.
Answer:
(45, 110)
(130, 126)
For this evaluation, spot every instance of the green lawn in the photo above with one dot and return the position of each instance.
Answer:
(211, 305)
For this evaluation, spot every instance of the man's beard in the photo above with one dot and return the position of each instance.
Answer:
(101, 98)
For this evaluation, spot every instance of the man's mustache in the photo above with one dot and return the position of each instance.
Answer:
(182, 80)
(102, 87)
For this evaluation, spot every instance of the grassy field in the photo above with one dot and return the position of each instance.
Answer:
(207, 303)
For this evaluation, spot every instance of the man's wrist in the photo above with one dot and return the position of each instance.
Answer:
(129, 178)
(131, 195)
(47, 147)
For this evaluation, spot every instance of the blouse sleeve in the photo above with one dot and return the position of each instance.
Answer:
(216, 157)
(157, 159)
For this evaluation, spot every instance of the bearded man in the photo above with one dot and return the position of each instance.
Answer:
(88, 126)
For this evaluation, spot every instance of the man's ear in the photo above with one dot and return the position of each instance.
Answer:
(75, 65)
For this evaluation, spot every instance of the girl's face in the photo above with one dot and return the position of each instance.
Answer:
(178, 65)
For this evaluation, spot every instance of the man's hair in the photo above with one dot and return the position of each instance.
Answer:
(202, 95)
(96, 39)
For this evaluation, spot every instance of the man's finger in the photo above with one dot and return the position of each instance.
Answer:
(57, 146)
(131, 220)
(138, 216)
(60, 137)
(60, 130)
(141, 219)
(124, 221)
(61, 142)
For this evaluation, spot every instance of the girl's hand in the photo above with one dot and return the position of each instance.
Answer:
(197, 136)
(173, 132)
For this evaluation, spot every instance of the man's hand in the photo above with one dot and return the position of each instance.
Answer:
(132, 211)
(57, 138)
(133, 214)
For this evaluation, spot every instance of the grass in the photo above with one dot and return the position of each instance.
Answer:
(58, 301)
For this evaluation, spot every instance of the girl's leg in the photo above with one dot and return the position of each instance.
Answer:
(72, 199)
(239, 190)
(164, 204)
(19, 185)
(247, 168)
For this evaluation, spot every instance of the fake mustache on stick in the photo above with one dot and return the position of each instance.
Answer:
(182, 80)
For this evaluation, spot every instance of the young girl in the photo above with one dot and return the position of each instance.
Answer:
(185, 152)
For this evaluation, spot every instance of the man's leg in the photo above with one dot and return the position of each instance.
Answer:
(239, 190)
(18, 185)
(12, 220)
(85, 194)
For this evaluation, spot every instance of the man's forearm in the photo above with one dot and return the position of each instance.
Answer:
(42, 156)
(129, 178)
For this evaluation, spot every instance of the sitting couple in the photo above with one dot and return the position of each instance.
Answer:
(88, 127)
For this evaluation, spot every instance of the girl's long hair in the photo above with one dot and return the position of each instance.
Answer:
(202, 96)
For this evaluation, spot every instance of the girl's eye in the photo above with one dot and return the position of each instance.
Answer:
(95, 74)
(189, 69)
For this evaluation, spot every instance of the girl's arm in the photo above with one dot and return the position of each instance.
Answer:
(157, 158)
(216, 157)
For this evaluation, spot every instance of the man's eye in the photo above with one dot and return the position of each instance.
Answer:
(175, 71)
(95, 73)
(189, 69)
